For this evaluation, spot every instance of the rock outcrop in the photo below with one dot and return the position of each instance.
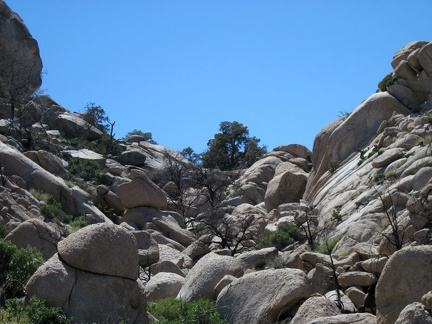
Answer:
(20, 62)
(156, 225)
(88, 283)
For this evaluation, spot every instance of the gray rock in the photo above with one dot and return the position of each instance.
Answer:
(76, 127)
(422, 178)
(162, 285)
(313, 308)
(347, 306)
(321, 279)
(132, 157)
(38, 234)
(393, 294)
(286, 187)
(206, 273)
(425, 58)
(19, 52)
(166, 266)
(296, 150)
(405, 51)
(339, 140)
(35, 176)
(84, 154)
(361, 318)
(259, 258)
(48, 161)
(91, 249)
(356, 295)
(356, 278)
(262, 296)
(140, 191)
(148, 249)
(414, 313)
(174, 232)
(88, 297)
(388, 157)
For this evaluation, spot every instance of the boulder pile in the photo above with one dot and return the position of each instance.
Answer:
(154, 224)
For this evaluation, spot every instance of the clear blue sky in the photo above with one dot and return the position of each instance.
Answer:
(177, 69)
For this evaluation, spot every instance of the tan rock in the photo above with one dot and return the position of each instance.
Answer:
(405, 51)
(393, 294)
(38, 234)
(141, 191)
(286, 187)
(414, 313)
(163, 285)
(88, 297)
(91, 249)
(356, 278)
(313, 308)
(262, 296)
(174, 232)
(425, 58)
(148, 249)
(206, 273)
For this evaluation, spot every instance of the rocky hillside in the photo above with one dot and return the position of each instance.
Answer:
(124, 227)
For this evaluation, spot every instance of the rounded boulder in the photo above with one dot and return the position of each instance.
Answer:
(102, 248)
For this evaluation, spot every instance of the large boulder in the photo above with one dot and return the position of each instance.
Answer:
(148, 249)
(88, 297)
(48, 161)
(162, 285)
(132, 157)
(405, 51)
(141, 216)
(207, 272)
(414, 313)
(140, 191)
(105, 249)
(38, 234)
(263, 296)
(76, 127)
(406, 277)
(286, 187)
(344, 136)
(296, 150)
(315, 307)
(174, 232)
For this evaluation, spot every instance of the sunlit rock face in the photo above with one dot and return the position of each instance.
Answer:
(20, 62)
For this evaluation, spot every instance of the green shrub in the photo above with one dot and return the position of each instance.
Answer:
(7, 317)
(333, 166)
(387, 81)
(329, 245)
(284, 235)
(52, 209)
(39, 313)
(176, 311)
(36, 312)
(89, 170)
(379, 177)
(78, 222)
(17, 265)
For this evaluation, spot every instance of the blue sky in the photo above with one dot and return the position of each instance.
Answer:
(284, 69)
